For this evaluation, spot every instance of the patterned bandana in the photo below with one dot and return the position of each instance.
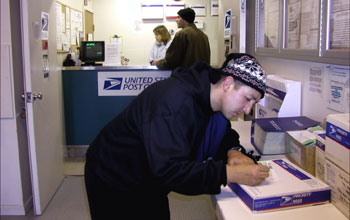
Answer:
(247, 70)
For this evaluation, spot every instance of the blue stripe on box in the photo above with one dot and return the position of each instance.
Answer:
(289, 168)
(277, 202)
(338, 134)
(320, 145)
(276, 93)
(292, 200)
(243, 195)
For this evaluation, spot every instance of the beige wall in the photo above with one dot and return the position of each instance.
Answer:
(124, 18)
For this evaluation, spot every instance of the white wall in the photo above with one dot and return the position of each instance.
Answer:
(124, 17)
(314, 105)
(11, 184)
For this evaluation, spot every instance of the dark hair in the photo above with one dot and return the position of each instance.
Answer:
(188, 14)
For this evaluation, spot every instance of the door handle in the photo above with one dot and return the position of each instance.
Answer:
(31, 96)
(37, 96)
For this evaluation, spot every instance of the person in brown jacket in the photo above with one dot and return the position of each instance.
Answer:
(190, 45)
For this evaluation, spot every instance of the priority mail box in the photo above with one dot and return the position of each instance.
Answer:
(320, 157)
(268, 134)
(287, 187)
(338, 140)
(339, 181)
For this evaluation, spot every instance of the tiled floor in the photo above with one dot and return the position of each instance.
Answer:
(74, 167)
(70, 201)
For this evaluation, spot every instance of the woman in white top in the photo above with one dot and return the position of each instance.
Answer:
(163, 41)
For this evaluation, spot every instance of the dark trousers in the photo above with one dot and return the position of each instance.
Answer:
(108, 203)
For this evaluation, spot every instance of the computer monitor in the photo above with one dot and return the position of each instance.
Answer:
(92, 52)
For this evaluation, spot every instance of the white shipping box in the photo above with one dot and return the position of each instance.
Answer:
(338, 140)
(287, 187)
(320, 157)
(268, 134)
(339, 181)
(282, 98)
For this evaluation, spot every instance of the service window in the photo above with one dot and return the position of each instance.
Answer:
(302, 24)
(268, 24)
(339, 25)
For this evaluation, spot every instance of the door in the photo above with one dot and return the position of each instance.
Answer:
(89, 24)
(43, 113)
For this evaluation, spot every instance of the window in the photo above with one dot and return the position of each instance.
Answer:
(310, 30)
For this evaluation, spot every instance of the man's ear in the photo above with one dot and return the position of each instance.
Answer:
(228, 83)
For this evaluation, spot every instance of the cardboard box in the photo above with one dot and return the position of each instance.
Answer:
(299, 153)
(339, 181)
(320, 157)
(268, 134)
(338, 140)
(287, 187)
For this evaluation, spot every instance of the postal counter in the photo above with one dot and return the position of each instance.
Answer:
(94, 95)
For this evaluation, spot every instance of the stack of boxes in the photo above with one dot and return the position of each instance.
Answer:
(337, 163)
(320, 157)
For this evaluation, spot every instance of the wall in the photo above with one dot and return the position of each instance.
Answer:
(124, 17)
(314, 105)
(225, 5)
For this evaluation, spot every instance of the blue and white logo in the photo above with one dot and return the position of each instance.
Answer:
(113, 83)
(286, 200)
(227, 29)
(127, 83)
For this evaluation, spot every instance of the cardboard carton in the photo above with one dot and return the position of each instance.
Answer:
(339, 181)
(300, 149)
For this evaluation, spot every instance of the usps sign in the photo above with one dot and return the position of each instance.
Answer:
(227, 29)
(128, 83)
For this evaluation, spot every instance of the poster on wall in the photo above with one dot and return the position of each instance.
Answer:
(44, 26)
(316, 81)
(172, 9)
(227, 29)
(339, 88)
(200, 10)
(214, 9)
(152, 11)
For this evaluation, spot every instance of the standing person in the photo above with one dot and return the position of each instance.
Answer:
(190, 45)
(163, 41)
(174, 136)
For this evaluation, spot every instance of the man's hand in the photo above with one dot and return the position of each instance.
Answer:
(235, 157)
(248, 174)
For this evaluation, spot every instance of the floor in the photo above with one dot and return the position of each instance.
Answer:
(70, 201)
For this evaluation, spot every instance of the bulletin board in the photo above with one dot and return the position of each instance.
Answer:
(69, 26)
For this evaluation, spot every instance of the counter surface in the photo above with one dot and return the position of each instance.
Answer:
(110, 68)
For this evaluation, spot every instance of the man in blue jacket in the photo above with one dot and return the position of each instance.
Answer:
(174, 136)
